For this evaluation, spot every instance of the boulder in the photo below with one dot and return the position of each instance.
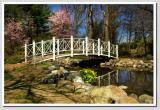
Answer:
(106, 94)
(145, 99)
(82, 87)
(53, 72)
(128, 100)
(65, 86)
(102, 64)
(71, 75)
(78, 79)
(123, 87)
(134, 96)
(53, 67)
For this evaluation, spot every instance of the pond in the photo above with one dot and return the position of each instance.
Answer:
(138, 82)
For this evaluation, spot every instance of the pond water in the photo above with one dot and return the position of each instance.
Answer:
(138, 82)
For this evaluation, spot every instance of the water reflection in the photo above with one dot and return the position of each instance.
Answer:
(137, 82)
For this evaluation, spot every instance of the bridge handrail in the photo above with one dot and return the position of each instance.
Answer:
(84, 46)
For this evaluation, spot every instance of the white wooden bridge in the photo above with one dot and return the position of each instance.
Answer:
(55, 48)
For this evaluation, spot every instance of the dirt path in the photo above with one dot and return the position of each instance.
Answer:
(11, 67)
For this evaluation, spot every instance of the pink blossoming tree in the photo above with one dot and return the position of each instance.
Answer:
(61, 23)
(14, 33)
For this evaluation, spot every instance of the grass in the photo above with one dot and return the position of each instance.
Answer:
(8, 76)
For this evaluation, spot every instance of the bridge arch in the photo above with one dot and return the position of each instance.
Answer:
(55, 48)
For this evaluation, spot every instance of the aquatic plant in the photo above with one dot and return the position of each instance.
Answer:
(88, 75)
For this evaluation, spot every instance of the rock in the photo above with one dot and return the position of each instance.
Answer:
(128, 100)
(78, 79)
(84, 86)
(134, 66)
(123, 87)
(53, 67)
(80, 90)
(54, 72)
(105, 94)
(145, 99)
(141, 62)
(134, 96)
(102, 64)
(65, 86)
(71, 75)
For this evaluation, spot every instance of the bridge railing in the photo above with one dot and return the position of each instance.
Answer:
(52, 49)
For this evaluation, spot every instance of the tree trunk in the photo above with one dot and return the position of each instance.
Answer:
(107, 24)
(144, 39)
(90, 22)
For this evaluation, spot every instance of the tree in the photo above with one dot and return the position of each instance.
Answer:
(14, 32)
(61, 23)
(111, 14)
(78, 12)
(40, 14)
(14, 35)
(90, 21)
(33, 18)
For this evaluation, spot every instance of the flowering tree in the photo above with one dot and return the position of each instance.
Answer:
(61, 23)
(14, 33)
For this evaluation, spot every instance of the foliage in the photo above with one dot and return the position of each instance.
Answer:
(8, 76)
(13, 59)
(60, 23)
(88, 75)
(14, 33)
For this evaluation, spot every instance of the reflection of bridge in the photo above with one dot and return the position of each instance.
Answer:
(52, 49)
(108, 77)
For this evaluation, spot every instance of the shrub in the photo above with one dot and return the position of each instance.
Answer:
(149, 57)
(88, 75)
(14, 59)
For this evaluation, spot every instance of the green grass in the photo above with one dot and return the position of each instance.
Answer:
(8, 76)
(13, 59)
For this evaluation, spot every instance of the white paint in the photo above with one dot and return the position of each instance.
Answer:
(57, 46)
(25, 48)
(54, 48)
(83, 47)
(93, 48)
(34, 52)
(116, 51)
(98, 46)
(109, 48)
(86, 46)
(42, 49)
(71, 46)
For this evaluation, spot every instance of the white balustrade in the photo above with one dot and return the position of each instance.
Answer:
(58, 46)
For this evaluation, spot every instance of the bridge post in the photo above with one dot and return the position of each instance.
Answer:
(99, 80)
(93, 48)
(109, 49)
(57, 46)
(83, 46)
(116, 51)
(101, 50)
(98, 46)
(34, 50)
(86, 46)
(25, 48)
(117, 76)
(42, 51)
(54, 48)
(109, 78)
(71, 46)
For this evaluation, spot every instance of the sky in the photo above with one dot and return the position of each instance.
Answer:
(56, 7)
(82, 31)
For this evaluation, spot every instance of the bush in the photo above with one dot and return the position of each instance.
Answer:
(88, 76)
(149, 57)
(14, 59)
